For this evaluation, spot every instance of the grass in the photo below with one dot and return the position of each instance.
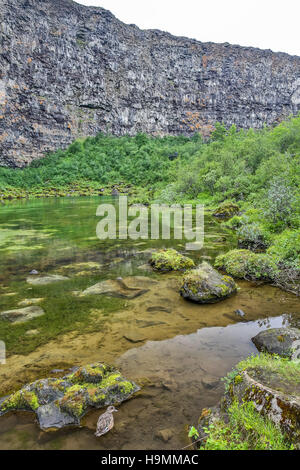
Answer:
(245, 430)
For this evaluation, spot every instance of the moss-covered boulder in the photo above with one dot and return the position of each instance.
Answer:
(272, 384)
(170, 260)
(204, 285)
(64, 401)
(244, 264)
(226, 210)
(282, 341)
(260, 409)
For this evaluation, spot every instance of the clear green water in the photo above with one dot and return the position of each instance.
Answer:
(180, 346)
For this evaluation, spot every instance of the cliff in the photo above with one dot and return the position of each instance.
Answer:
(67, 70)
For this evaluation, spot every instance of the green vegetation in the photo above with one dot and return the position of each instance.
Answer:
(237, 425)
(170, 260)
(255, 171)
(244, 264)
(246, 429)
(287, 369)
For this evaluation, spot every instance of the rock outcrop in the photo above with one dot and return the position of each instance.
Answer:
(67, 71)
(282, 341)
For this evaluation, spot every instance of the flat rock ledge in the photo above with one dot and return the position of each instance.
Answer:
(204, 285)
(21, 315)
(63, 402)
(282, 341)
(45, 280)
(127, 288)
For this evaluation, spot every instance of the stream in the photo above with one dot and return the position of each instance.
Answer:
(178, 351)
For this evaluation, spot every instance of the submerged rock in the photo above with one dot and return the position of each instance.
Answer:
(204, 285)
(244, 264)
(63, 402)
(22, 315)
(226, 211)
(44, 280)
(281, 341)
(128, 288)
(170, 260)
(134, 336)
(240, 313)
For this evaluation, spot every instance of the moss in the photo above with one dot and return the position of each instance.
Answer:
(126, 387)
(244, 264)
(89, 374)
(244, 429)
(238, 379)
(23, 399)
(227, 210)
(73, 401)
(170, 260)
(110, 380)
(204, 284)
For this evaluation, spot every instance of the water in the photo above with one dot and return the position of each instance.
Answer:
(182, 350)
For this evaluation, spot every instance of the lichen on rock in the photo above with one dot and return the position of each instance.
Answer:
(170, 260)
(63, 402)
(204, 285)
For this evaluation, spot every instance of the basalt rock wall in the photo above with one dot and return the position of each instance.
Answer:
(67, 71)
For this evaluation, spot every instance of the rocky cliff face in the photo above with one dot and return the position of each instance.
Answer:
(67, 70)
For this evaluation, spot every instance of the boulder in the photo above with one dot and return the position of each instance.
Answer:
(204, 285)
(60, 402)
(259, 411)
(281, 341)
(170, 260)
(22, 315)
(45, 280)
(244, 264)
(274, 388)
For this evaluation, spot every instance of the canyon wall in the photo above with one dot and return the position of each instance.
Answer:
(68, 71)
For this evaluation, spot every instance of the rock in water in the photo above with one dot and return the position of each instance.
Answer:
(204, 285)
(282, 341)
(128, 288)
(170, 260)
(21, 315)
(60, 402)
(240, 313)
